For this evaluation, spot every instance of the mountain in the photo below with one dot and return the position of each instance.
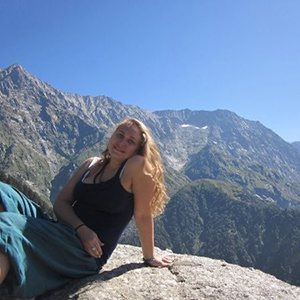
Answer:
(45, 130)
(232, 181)
(296, 145)
(26, 190)
(221, 145)
(235, 225)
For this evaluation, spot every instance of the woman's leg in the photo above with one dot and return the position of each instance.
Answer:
(1, 207)
(4, 262)
(12, 200)
(4, 266)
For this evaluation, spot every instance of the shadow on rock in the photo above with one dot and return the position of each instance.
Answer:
(81, 283)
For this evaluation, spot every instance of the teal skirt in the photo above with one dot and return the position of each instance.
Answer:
(44, 254)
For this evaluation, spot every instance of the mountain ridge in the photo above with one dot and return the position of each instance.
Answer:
(296, 145)
(59, 126)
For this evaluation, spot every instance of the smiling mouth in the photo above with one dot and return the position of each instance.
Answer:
(118, 150)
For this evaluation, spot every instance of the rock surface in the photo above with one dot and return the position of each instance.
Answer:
(190, 277)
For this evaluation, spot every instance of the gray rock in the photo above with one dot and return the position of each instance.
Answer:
(190, 277)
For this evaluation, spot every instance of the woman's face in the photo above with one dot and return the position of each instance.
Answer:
(124, 142)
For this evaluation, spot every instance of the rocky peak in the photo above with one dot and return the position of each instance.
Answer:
(15, 79)
(16, 75)
(13, 68)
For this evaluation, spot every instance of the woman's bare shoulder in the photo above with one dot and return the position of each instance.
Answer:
(94, 160)
(136, 159)
(138, 164)
(88, 163)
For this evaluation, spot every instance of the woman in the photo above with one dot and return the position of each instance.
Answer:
(93, 209)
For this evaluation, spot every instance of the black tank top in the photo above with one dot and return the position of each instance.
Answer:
(106, 208)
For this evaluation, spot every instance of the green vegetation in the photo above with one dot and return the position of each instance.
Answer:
(26, 164)
(26, 190)
(213, 163)
(224, 221)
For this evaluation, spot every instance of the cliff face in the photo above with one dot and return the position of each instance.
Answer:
(190, 277)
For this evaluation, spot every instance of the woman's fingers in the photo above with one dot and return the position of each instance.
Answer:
(95, 251)
(90, 241)
(160, 262)
(94, 248)
(166, 260)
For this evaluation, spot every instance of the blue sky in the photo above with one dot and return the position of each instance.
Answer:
(240, 55)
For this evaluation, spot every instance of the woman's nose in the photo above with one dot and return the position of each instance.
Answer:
(122, 143)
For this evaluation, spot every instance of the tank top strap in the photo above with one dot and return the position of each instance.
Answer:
(87, 171)
(122, 168)
(118, 174)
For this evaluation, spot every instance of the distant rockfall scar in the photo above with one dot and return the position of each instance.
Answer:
(190, 277)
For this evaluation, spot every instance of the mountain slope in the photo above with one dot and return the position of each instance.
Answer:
(52, 126)
(221, 145)
(44, 130)
(297, 146)
(222, 221)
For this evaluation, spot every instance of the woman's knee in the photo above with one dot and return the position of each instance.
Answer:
(4, 266)
(1, 208)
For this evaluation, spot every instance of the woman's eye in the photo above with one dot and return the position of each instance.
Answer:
(131, 142)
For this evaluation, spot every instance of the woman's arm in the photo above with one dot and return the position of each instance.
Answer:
(66, 214)
(143, 187)
(63, 202)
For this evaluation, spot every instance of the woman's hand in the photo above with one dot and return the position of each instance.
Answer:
(90, 241)
(158, 262)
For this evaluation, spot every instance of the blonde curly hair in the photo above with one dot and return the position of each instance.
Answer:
(149, 150)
